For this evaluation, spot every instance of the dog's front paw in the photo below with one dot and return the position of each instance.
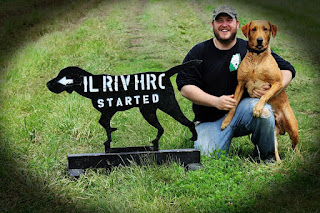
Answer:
(257, 111)
(225, 123)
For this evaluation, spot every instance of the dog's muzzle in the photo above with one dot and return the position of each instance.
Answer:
(259, 43)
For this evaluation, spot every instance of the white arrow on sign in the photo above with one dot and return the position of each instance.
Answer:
(64, 81)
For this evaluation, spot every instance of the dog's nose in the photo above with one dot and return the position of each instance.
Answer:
(259, 40)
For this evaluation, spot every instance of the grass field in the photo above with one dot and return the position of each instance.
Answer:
(38, 128)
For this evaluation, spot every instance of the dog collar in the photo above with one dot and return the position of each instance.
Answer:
(255, 51)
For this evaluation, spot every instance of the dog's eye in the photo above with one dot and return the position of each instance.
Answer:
(254, 29)
(265, 29)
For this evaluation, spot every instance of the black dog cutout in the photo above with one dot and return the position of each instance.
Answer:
(109, 94)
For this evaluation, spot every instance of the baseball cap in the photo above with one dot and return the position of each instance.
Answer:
(224, 9)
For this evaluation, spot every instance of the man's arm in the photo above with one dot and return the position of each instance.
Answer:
(286, 79)
(198, 96)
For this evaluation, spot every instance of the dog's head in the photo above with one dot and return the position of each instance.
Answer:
(258, 33)
(68, 80)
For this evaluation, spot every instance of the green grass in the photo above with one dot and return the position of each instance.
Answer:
(38, 128)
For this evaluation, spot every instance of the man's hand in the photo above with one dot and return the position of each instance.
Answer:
(258, 93)
(198, 96)
(286, 79)
(226, 102)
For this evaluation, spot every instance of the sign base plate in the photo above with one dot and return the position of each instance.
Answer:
(77, 163)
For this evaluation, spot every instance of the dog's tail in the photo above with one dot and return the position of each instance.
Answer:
(187, 65)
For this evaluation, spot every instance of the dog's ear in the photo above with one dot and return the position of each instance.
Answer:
(245, 29)
(274, 29)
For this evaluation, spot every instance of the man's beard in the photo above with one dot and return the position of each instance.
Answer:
(225, 41)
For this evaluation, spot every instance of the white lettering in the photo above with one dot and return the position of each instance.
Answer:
(100, 103)
(85, 84)
(155, 98)
(119, 102)
(151, 81)
(110, 101)
(160, 81)
(104, 83)
(109, 82)
(125, 82)
(116, 83)
(137, 82)
(127, 100)
(91, 89)
(145, 99)
(137, 97)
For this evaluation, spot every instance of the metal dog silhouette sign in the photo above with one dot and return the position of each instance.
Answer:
(109, 94)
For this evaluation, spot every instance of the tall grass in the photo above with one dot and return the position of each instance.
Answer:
(39, 128)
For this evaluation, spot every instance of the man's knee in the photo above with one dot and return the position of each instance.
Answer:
(211, 138)
(250, 103)
(266, 113)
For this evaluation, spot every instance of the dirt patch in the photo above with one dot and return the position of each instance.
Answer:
(311, 114)
(135, 28)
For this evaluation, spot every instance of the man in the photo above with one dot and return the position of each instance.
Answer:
(212, 85)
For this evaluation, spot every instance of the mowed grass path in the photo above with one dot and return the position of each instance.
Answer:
(39, 128)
